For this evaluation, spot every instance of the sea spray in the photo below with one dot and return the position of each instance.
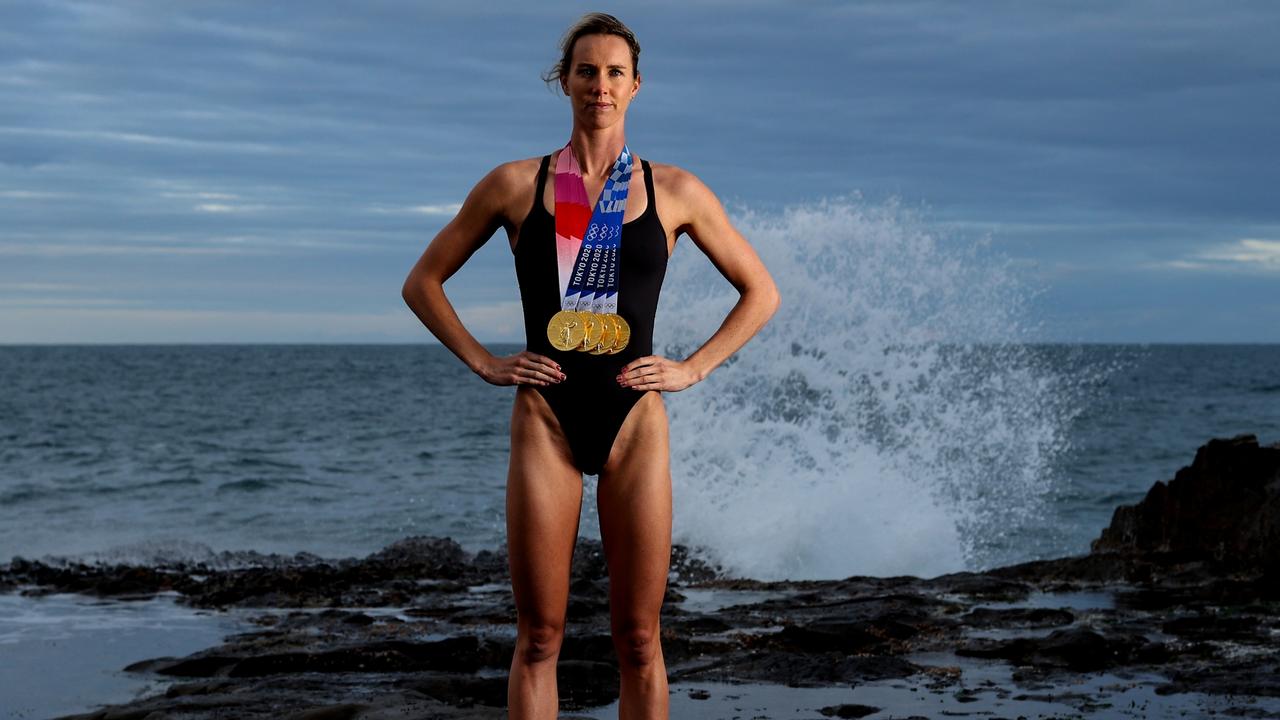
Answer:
(890, 419)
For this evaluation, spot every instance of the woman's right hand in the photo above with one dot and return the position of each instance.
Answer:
(523, 368)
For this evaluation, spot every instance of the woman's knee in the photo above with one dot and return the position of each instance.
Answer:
(538, 641)
(637, 644)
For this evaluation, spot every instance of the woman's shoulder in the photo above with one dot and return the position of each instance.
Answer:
(514, 173)
(674, 183)
(509, 182)
(673, 178)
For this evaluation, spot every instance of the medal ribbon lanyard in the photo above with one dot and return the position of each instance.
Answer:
(588, 239)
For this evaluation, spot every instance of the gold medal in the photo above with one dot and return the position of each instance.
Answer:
(591, 330)
(565, 330)
(624, 334)
(607, 336)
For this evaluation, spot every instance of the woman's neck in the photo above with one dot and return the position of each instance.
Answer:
(597, 150)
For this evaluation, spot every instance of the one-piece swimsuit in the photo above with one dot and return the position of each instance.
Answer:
(589, 403)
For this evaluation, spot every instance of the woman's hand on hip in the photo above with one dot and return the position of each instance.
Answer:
(523, 368)
(655, 372)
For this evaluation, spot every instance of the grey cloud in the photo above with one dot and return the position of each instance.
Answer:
(1084, 133)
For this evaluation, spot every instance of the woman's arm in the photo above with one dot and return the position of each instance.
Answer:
(481, 214)
(699, 213)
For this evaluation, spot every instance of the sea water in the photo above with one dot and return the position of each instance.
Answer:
(892, 418)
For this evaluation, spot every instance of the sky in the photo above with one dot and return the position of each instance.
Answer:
(269, 172)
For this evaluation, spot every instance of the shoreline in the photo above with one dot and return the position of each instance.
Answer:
(1146, 625)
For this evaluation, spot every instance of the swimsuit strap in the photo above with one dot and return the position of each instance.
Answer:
(542, 181)
(648, 182)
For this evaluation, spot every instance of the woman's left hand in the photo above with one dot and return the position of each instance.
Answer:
(654, 372)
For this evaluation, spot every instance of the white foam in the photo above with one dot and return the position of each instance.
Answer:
(887, 421)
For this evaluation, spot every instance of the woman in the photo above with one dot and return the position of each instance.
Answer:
(589, 390)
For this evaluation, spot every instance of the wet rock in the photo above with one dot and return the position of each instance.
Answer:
(984, 586)
(1078, 649)
(587, 683)
(463, 691)
(1224, 507)
(1167, 604)
(421, 557)
(343, 711)
(842, 636)
(1258, 675)
(849, 710)
(984, 617)
(1244, 627)
(803, 669)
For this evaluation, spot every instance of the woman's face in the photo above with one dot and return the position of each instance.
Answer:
(601, 81)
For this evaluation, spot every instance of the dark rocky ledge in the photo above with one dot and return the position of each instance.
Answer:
(1190, 576)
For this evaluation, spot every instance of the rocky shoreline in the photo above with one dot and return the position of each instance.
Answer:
(1184, 586)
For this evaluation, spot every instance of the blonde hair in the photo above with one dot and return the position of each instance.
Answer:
(596, 23)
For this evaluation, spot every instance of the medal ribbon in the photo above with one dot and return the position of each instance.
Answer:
(588, 239)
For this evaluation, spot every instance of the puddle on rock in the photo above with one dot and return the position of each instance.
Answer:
(960, 687)
(710, 600)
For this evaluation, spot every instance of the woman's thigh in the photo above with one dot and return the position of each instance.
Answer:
(544, 502)
(634, 501)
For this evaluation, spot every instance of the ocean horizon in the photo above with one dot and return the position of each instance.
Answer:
(149, 451)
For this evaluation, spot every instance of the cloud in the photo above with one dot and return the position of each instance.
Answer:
(443, 209)
(1086, 136)
(31, 195)
(77, 249)
(224, 208)
(79, 324)
(201, 195)
(1265, 253)
(447, 209)
(152, 139)
(65, 302)
(37, 287)
(1244, 255)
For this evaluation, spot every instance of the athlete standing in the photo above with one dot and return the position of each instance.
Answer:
(589, 388)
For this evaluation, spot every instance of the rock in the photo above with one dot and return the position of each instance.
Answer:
(463, 691)
(980, 585)
(1224, 507)
(849, 710)
(423, 557)
(1254, 676)
(1017, 617)
(1176, 579)
(345, 711)
(587, 683)
(1078, 649)
(803, 669)
(841, 635)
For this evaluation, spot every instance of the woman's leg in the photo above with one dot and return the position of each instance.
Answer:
(634, 500)
(544, 501)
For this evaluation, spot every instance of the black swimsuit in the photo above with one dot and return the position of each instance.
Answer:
(589, 403)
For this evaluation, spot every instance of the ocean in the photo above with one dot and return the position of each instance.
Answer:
(144, 453)
(896, 416)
